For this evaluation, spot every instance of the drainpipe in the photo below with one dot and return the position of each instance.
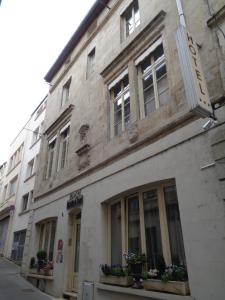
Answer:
(181, 12)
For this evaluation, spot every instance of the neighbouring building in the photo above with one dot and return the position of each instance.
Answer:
(3, 217)
(18, 185)
(127, 163)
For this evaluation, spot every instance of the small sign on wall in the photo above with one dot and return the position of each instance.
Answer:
(59, 257)
(194, 80)
(75, 200)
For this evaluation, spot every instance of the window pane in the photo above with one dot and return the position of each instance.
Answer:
(52, 241)
(127, 108)
(147, 80)
(77, 249)
(129, 23)
(149, 101)
(118, 116)
(47, 232)
(152, 229)
(134, 242)
(116, 242)
(174, 224)
(158, 53)
(41, 237)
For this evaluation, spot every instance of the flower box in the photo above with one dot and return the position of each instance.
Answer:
(174, 287)
(117, 280)
(45, 272)
(33, 271)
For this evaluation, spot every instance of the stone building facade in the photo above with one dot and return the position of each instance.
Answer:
(124, 164)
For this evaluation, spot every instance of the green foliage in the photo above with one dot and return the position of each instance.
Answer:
(41, 255)
(174, 273)
(135, 258)
(116, 270)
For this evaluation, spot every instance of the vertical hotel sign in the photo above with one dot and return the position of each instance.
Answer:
(193, 76)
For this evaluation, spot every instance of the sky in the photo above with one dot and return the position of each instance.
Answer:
(32, 35)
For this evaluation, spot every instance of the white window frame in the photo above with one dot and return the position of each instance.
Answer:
(114, 99)
(149, 54)
(130, 9)
(30, 168)
(91, 62)
(42, 235)
(25, 208)
(66, 92)
(124, 222)
(36, 135)
(51, 156)
(12, 182)
(64, 140)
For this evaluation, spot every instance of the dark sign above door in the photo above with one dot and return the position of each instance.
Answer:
(75, 200)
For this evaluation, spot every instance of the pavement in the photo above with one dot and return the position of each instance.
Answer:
(14, 287)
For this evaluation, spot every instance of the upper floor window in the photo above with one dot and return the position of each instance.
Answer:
(15, 158)
(91, 62)
(25, 201)
(148, 222)
(65, 92)
(35, 136)
(120, 103)
(131, 18)
(12, 187)
(51, 155)
(152, 75)
(63, 147)
(30, 168)
(4, 196)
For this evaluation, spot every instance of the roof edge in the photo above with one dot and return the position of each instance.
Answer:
(93, 13)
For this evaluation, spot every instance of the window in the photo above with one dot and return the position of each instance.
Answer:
(12, 188)
(4, 196)
(35, 136)
(91, 62)
(47, 237)
(30, 168)
(131, 18)
(63, 148)
(15, 158)
(153, 83)
(65, 92)
(25, 202)
(51, 154)
(120, 104)
(148, 222)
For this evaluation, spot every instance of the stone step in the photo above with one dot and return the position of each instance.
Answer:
(70, 295)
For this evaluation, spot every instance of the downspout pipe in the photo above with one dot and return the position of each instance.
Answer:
(181, 13)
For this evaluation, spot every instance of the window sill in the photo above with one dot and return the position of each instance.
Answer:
(13, 168)
(23, 212)
(35, 143)
(141, 293)
(28, 178)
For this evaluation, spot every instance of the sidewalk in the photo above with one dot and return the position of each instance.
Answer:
(14, 287)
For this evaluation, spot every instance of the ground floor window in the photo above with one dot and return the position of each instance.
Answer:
(18, 245)
(47, 237)
(147, 221)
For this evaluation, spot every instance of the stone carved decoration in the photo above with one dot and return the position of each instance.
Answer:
(83, 131)
(83, 151)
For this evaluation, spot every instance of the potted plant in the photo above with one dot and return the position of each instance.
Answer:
(173, 280)
(115, 275)
(135, 262)
(41, 259)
